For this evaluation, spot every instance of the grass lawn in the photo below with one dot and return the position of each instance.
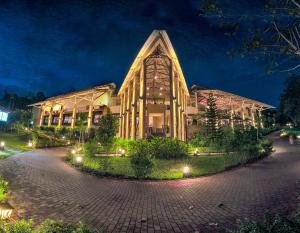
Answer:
(163, 169)
(14, 141)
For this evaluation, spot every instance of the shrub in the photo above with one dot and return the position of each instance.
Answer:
(90, 148)
(41, 139)
(4, 191)
(141, 159)
(19, 226)
(107, 130)
(168, 148)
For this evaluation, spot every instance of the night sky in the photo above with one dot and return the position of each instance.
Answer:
(55, 46)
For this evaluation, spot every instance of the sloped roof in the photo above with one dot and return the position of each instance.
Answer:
(157, 37)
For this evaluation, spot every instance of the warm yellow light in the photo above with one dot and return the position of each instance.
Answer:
(78, 159)
(73, 152)
(5, 212)
(196, 151)
(186, 170)
(63, 137)
(161, 88)
(2, 144)
(155, 77)
(29, 144)
(159, 93)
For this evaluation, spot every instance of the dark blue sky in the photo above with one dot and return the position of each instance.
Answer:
(53, 46)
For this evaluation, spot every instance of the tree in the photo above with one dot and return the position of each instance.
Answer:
(290, 100)
(107, 130)
(212, 124)
(275, 37)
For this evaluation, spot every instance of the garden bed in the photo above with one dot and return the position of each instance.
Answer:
(120, 166)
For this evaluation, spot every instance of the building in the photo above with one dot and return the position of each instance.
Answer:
(153, 100)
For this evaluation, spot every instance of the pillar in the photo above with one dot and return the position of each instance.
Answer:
(260, 119)
(73, 117)
(253, 117)
(60, 117)
(142, 101)
(231, 118)
(173, 104)
(124, 114)
(50, 117)
(179, 110)
(90, 116)
(133, 110)
(128, 110)
(121, 117)
(42, 116)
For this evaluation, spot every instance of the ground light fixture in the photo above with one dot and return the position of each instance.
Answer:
(78, 159)
(30, 144)
(73, 152)
(186, 171)
(2, 145)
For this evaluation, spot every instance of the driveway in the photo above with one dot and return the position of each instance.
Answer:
(45, 187)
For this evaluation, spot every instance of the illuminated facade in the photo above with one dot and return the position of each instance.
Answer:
(153, 100)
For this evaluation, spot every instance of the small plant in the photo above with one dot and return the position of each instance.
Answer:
(141, 159)
(90, 148)
(19, 226)
(4, 191)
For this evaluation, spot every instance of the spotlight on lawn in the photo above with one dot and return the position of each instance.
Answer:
(186, 171)
(196, 152)
(30, 144)
(2, 145)
(122, 151)
(73, 152)
(63, 137)
(78, 159)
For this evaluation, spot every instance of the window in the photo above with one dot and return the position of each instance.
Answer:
(97, 117)
(3, 116)
(55, 120)
(45, 121)
(67, 119)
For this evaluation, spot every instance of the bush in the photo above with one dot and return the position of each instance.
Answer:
(90, 148)
(19, 226)
(141, 159)
(48, 226)
(168, 148)
(4, 191)
(41, 140)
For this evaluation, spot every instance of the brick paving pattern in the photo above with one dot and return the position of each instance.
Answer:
(45, 187)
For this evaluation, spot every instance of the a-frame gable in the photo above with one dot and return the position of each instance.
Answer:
(157, 37)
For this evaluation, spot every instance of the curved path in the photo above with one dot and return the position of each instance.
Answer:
(45, 187)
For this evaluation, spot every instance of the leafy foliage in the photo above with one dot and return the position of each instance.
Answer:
(212, 126)
(4, 190)
(107, 130)
(142, 159)
(47, 226)
(90, 148)
(290, 101)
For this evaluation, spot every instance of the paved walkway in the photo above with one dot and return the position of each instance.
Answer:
(45, 187)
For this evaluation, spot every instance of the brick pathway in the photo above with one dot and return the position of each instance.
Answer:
(45, 187)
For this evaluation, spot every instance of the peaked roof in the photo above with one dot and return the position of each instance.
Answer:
(157, 37)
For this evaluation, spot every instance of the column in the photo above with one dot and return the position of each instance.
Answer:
(121, 116)
(231, 118)
(124, 114)
(179, 108)
(142, 101)
(243, 115)
(260, 119)
(173, 100)
(73, 121)
(42, 115)
(50, 117)
(128, 111)
(60, 117)
(253, 117)
(133, 109)
(90, 116)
